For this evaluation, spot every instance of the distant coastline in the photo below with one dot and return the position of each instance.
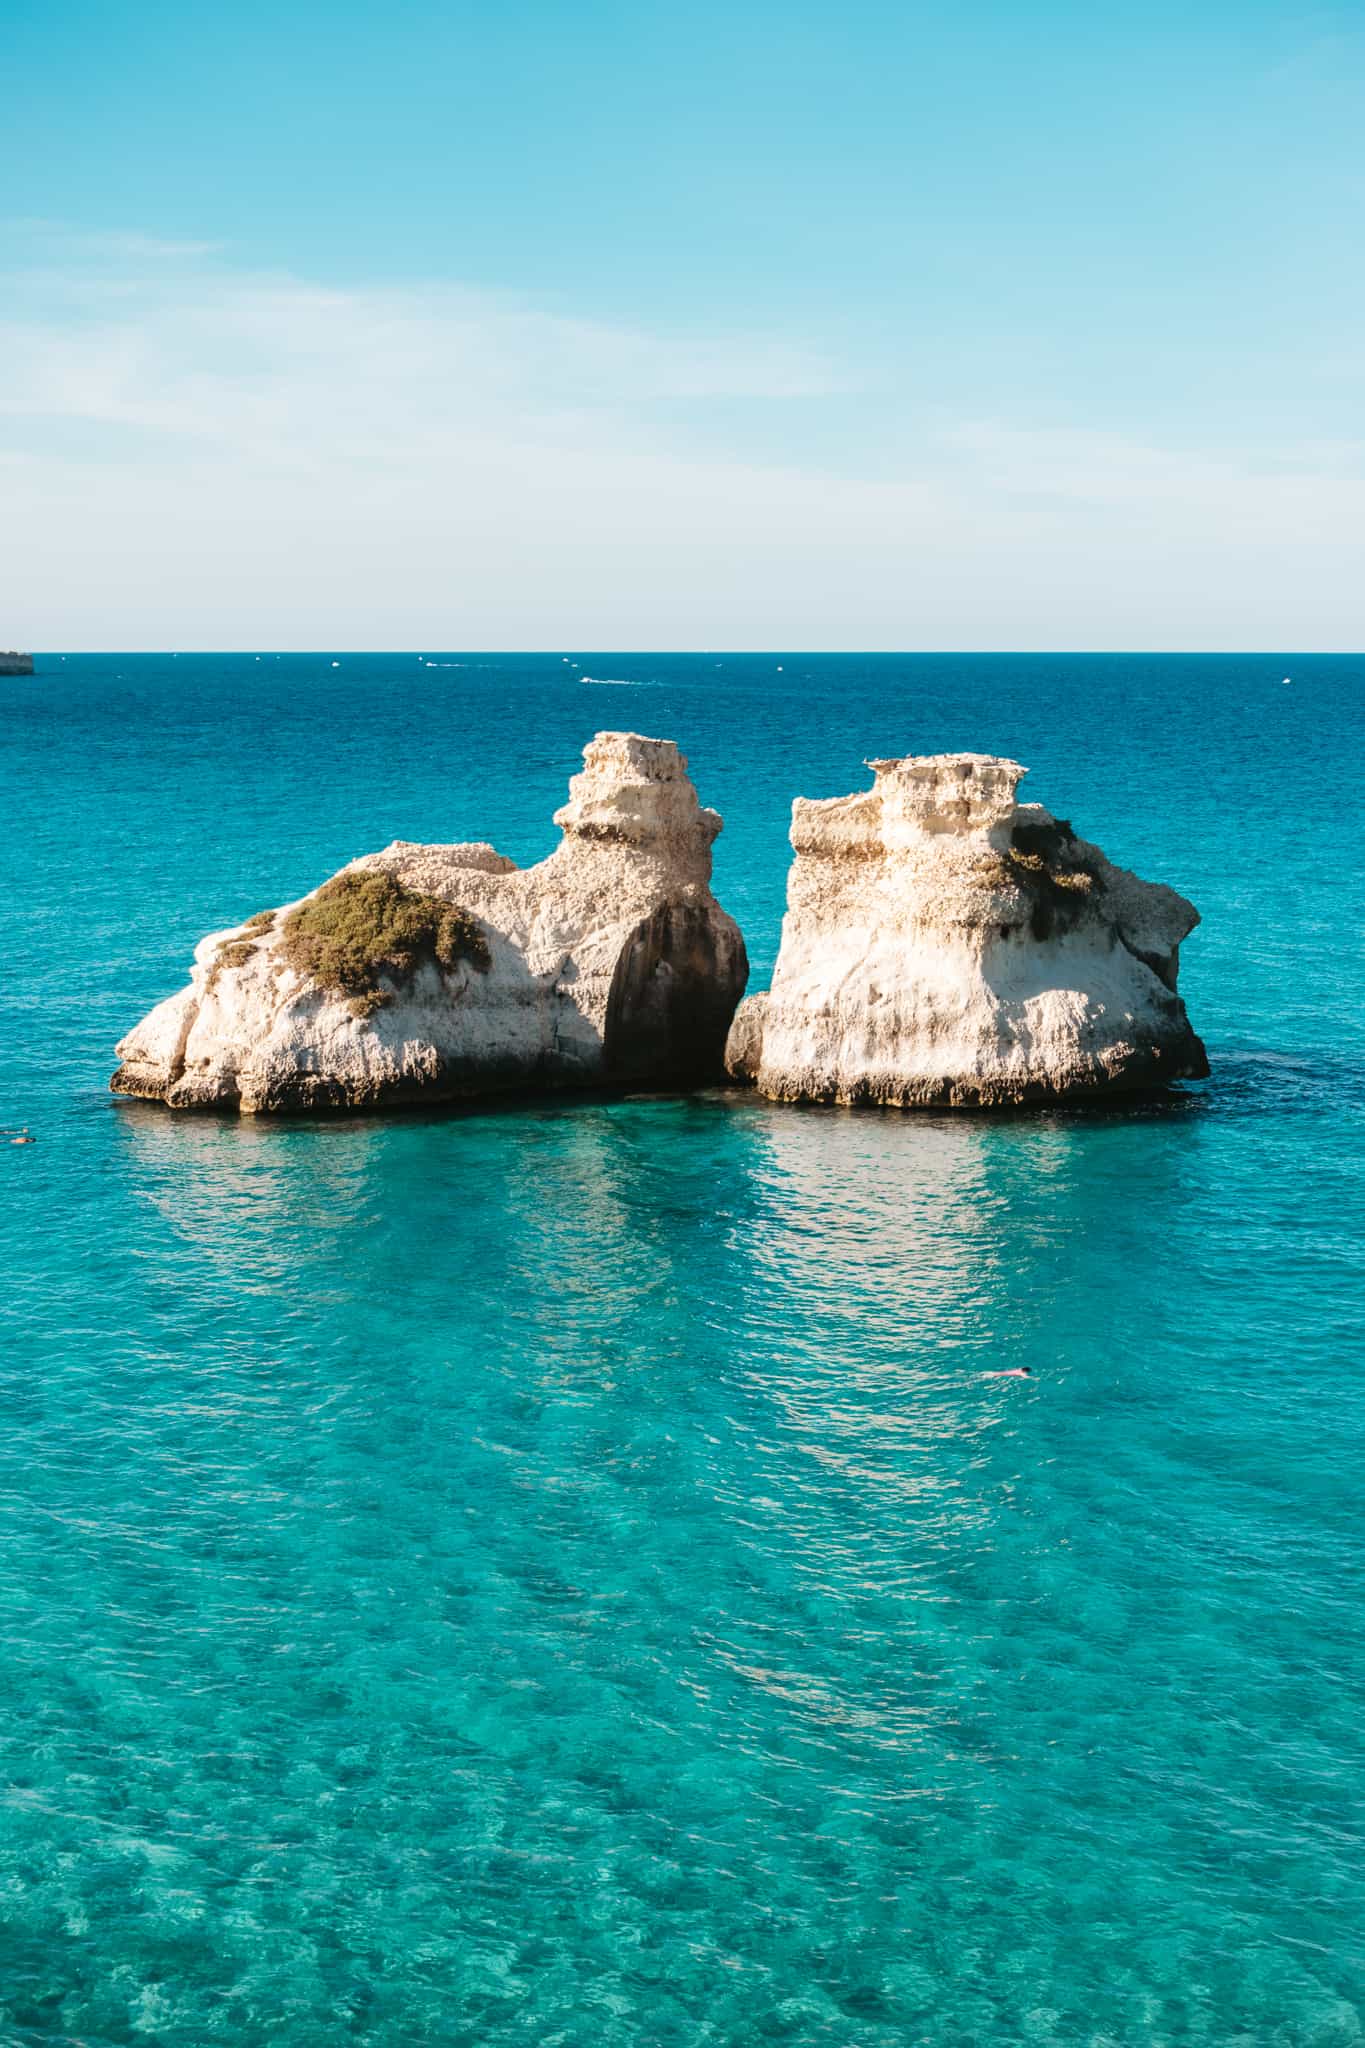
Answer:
(12, 663)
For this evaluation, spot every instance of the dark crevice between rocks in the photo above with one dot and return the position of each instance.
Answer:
(677, 984)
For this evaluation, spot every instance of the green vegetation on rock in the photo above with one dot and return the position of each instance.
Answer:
(360, 929)
(235, 953)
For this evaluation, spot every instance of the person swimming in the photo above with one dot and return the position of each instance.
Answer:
(1013, 1372)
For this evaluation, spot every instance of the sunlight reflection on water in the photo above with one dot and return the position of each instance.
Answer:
(564, 1573)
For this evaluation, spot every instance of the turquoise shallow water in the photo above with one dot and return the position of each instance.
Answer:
(560, 1575)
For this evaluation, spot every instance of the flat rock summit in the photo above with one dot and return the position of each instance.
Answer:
(946, 946)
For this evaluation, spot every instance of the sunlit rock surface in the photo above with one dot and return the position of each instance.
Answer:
(947, 946)
(608, 964)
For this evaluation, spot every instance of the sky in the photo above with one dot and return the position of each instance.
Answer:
(636, 326)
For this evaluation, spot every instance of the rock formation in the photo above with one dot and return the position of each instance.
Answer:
(12, 663)
(425, 972)
(947, 946)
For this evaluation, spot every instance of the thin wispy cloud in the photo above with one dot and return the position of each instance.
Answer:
(237, 458)
(1295, 497)
(50, 242)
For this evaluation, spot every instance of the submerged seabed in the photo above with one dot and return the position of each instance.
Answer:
(563, 1574)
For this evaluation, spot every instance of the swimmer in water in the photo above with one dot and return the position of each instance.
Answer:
(1015, 1372)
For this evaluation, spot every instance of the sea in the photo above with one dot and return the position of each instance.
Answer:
(563, 1574)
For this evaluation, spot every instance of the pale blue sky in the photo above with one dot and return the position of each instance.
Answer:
(720, 325)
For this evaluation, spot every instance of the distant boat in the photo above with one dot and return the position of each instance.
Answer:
(13, 663)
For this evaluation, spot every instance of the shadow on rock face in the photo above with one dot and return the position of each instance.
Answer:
(672, 998)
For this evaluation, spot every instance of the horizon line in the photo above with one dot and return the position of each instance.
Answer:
(711, 653)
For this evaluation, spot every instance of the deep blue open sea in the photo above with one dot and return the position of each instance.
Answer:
(562, 1575)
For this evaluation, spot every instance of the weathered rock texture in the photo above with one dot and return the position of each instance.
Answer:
(608, 964)
(947, 946)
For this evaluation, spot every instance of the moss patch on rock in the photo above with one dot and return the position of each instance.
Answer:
(235, 953)
(361, 930)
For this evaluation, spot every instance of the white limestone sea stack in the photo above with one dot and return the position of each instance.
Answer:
(946, 946)
(430, 972)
